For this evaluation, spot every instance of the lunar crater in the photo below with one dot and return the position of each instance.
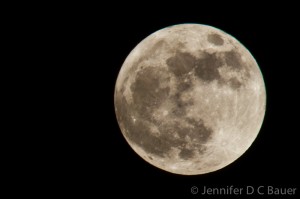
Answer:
(215, 39)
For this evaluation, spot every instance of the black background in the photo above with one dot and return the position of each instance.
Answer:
(89, 154)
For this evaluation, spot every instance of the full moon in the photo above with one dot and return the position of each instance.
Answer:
(190, 99)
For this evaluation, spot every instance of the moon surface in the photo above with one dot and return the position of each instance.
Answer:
(190, 99)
